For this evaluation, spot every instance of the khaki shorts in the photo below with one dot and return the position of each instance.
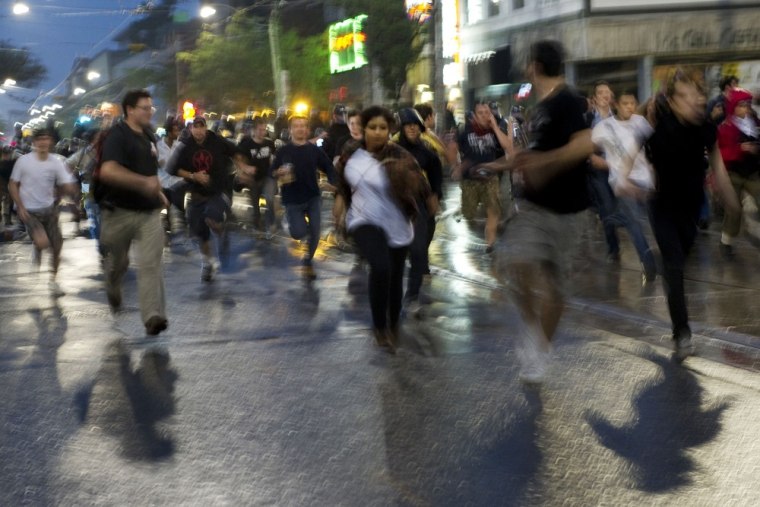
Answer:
(475, 192)
(47, 220)
(536, 235)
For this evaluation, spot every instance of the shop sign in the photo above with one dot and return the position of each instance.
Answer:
(419, 10)
(347, 44)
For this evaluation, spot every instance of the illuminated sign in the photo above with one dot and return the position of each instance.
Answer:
(347, 40)
(419, 10)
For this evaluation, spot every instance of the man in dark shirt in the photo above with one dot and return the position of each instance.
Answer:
(203, 159)
(258, 150)
(482, 146)
(295, 166)
(541, 236)
(336, 132)
(130, 209)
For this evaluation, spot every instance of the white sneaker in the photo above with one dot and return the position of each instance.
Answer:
(207, 271)
(533, 358)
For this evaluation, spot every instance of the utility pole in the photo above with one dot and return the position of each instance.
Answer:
(274, 46)
(439, 90)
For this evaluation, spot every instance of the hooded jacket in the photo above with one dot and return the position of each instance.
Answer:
(730, 138)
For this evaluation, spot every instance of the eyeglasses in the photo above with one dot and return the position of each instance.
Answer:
(146, 108)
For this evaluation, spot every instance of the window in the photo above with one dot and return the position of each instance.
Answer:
(474, 11)
(493, 8)
(518, 4)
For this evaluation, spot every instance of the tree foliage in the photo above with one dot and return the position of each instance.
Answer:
(21, 65)
(306, 59)
(393, 41)
(231, 71)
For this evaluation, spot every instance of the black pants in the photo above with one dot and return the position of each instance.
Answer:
(424, 228)
(386, 274)
(675, 228)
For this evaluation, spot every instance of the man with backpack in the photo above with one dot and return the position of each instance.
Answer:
(129, 194)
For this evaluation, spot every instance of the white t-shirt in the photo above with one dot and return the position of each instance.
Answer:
(38, 179)
(622, 142)
(164, 154)
(372, 202)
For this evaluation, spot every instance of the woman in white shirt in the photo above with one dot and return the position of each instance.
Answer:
(378, 185)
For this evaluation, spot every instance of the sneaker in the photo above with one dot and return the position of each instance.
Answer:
(55, 289)
(207, 271)
(684, 347)
(155, 325)
(648, 274)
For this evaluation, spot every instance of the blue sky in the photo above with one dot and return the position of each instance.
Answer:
(57, 31)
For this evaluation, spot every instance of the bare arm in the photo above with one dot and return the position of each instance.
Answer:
(13, 189)
(539, 167)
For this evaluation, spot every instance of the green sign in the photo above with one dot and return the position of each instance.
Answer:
(347, 40)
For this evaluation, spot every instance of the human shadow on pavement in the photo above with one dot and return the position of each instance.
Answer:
(448, 445)
(129, 404)
(670, 418)
(33, 411)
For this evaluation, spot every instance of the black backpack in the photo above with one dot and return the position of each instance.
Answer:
(97, 188)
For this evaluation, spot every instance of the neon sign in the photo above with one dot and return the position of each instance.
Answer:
(347, 40)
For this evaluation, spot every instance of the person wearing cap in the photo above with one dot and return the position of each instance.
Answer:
(203, 159)
(295, 166)
(739, 144)
(410, 138)
(130, 199)
(38, 178)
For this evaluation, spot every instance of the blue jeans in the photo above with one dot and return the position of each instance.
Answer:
(606, 205)
(634, 215)
(299, 228)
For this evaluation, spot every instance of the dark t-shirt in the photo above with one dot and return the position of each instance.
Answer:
(212, 158)
(677, 153)
(553, 122)
(306, 159)
(258, 155)
(428, 162)
(478, 148)
(336, 133)
(136, 152)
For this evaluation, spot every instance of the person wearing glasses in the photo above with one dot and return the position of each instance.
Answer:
(131, 201)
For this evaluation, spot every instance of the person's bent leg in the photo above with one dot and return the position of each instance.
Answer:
(666, 232)
(269, 188)
(397, 258)
(314, 212)
(732, 221)
(492, 199)
(297, 225)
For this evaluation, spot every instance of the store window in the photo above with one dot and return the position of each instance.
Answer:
(493, 8)
(474, 9)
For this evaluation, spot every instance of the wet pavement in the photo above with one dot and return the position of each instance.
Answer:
(267, 390)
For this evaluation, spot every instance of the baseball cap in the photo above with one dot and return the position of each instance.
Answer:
(199, 119)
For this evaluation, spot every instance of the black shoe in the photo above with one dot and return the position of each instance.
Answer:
(727, 251)
(155, 325)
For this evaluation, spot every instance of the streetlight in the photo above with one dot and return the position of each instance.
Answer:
(93, 75)
(20, 8)
(79, 91)
(9, 82)
(207, 11)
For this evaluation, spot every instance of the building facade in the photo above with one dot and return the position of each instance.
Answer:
(630, 44)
